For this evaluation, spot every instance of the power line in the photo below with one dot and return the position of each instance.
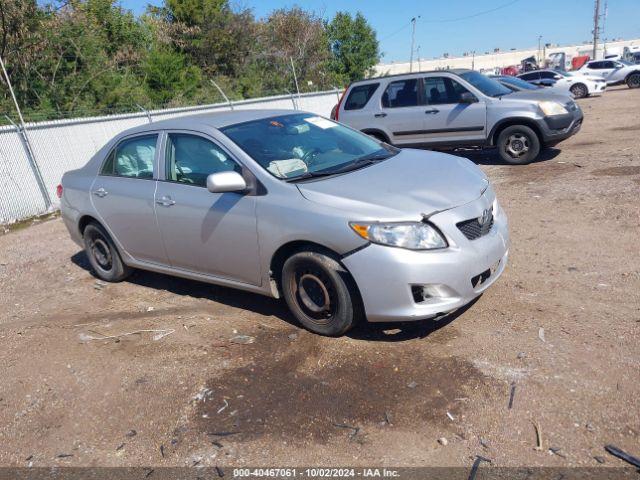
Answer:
(474, 15)
(449, 20)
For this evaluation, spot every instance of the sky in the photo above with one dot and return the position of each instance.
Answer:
(443, 28)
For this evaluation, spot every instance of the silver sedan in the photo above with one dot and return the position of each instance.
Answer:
(293, 205)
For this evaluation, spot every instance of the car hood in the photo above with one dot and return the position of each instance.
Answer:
(403, 187)
(547, 93)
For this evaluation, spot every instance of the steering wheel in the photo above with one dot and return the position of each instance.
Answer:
(182, 178)
(309, 156)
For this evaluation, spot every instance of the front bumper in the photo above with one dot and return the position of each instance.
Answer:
(560, 127)
(385, 275)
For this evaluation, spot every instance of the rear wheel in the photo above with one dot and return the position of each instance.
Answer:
(579, 90)
(518, 145)
(103, 255)
(320, 292)
(633, 80)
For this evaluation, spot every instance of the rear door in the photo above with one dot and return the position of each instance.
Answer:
(447, 118)
(123, 196)
(211, 233)
(401, 113)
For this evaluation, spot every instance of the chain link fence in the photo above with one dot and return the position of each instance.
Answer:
(32, 161)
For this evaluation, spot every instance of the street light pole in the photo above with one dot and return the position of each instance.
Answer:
(413, 39)
(596, 28)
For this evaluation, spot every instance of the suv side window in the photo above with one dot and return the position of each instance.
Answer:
(442, 90)
(359, 96)
(401, 93)
(191, 159)
(132, 158)
(608, 64)
(596, 65)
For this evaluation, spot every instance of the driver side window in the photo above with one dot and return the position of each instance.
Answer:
(190, 159)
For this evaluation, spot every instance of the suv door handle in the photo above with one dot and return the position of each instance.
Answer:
(380, 115)
(433, 110)
(166, 201)
(101, 192)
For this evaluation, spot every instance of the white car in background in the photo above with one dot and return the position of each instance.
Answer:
(614, 72)
(578, 86)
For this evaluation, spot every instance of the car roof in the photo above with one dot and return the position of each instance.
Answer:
(454, 71)
(210, 120)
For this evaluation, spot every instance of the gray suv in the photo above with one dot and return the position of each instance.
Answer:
(458, 108)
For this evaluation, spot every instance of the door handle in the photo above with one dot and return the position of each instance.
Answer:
(166, 201)
(380, 115)
(101, 192)
(433, 110)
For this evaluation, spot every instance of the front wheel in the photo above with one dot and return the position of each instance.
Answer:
(579, 90)
(518, 145)
(320, 293)
(103, 254)
(633, 80)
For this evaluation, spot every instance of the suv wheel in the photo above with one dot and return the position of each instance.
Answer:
(579, 90)
(518, 145)
(103, 254)
(633, 80)
(320, 293)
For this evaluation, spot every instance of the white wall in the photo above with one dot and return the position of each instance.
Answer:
(492, 60)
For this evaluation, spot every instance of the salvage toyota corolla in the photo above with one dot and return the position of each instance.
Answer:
(291, 205)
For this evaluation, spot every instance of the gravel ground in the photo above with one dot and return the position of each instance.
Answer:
(560, 330)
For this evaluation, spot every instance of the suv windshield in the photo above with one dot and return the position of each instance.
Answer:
(486, 85)
(303, 145)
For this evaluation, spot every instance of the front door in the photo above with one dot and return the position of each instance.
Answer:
(447, 118)
(204, 232)
(123, 196)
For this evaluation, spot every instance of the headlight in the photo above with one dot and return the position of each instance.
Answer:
(552, 108)
(411, 235)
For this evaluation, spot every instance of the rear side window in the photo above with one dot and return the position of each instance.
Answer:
(596, 65)
(549, 75)
(401, 93)
(359, 96)
(132, 158)
(530, 76)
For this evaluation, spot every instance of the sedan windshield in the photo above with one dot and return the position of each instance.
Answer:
(303, 145)
(486, 85)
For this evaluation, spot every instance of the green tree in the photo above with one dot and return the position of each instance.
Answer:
(167, 76)
(354, 46)
(194, 12)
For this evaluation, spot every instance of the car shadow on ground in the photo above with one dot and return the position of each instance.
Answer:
(490, 157)
(267, 306)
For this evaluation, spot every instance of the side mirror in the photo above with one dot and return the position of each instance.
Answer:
(468, 97)
(226, 182)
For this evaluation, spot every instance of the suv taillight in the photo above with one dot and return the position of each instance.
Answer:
(59, 190)
(340, 103)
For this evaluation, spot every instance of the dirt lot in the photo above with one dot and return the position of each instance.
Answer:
(562, 325)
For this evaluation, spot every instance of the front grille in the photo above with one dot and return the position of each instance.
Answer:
(476, 227)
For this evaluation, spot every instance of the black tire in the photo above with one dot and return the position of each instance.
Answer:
(103, 254)
(518, 145)
(579, 90)
(633, 80)
(320, 293)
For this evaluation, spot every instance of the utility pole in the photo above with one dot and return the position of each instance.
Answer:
(473, 60)
(418, 55)
(539, 58)
(413, 39)
(596, 28)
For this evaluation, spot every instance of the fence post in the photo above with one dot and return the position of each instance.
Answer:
(25, 143)
(222, 93)
(145, 111)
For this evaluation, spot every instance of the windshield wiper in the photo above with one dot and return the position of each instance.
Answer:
(363, 161)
